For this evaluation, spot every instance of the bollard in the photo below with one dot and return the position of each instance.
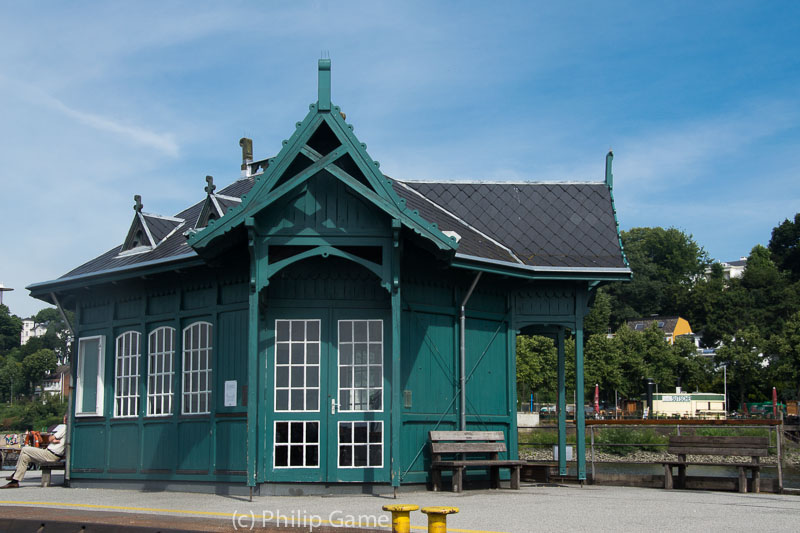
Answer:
(401, 523)
(437, 518)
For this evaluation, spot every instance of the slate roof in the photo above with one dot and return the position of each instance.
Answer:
(666, 324)
(568, 224)
(544, 225)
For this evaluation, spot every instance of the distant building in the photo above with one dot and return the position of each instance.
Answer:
(689, 404)
(31, 329)
(672, 326)
(57, 383)
(732, 269)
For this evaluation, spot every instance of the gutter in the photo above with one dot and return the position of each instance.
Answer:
(541, 272)
(462, 422)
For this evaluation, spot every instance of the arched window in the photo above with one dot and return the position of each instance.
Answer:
(197, 342)
(126, 375)
(161, 353)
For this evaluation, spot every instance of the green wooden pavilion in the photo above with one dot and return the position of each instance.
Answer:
(305, 327)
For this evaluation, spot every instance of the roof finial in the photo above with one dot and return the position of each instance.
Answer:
(324, 87)
(138, 206)
(609, 175)
(210, 187)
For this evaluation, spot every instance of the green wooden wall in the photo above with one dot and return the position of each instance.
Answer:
(176, 447)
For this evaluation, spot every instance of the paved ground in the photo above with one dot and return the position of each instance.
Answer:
(533, 508)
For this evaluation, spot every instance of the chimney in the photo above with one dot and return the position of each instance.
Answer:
(247, 156)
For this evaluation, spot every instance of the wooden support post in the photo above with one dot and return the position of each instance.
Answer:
(396, 412)
(667, 476)
(682, 472)
(562, 406)
(580, 413)
(756, 476)
(46, 472)
(742, 480)
(515, 475)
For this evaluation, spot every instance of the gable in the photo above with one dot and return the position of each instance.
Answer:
(323, 147)
(323, 206)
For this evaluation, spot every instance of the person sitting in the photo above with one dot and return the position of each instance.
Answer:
(31, 454)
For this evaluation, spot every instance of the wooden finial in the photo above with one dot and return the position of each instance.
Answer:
(138, 206)
(324, 87)
(210, 187)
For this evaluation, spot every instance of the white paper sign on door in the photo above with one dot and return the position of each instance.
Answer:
(230, 393)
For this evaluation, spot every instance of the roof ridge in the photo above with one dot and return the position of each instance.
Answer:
(499, 182)
(164, 217)
(462, 221)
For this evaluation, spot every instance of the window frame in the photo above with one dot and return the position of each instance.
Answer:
(100, 379)
(208, 370)
(352, 366)
(167, 378)
(305, 365)
(133, 377)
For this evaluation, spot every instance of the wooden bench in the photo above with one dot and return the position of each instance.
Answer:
(47, 468)
(469, 444)
(754, 447)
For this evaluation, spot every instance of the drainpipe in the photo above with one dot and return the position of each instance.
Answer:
(462, 423)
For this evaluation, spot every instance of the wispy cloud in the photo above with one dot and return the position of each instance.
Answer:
(163, 142)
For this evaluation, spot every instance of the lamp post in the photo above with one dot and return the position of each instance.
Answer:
(725, 387)
(3, 289)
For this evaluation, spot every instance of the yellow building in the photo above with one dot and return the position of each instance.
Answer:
(672, 326)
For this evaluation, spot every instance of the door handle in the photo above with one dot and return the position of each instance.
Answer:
(333, 406)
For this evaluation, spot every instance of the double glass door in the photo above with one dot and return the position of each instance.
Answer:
(327, 392)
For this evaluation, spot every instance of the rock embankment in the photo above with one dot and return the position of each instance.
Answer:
(546, 454)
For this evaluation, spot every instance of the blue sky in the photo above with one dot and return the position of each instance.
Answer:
(101, 101)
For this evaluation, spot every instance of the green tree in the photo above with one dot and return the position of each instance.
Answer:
(665, 265)
(37, 365)
(785, 246)
(784, 350)
(12, 379)
(10, 329)
(58, 336)
(537, 367)
(743, 357)
(598, 320)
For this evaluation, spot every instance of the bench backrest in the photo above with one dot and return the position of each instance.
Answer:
(699, 445)
(467, 442)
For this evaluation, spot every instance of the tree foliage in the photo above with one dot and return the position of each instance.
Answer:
(10, 329)
(753, 321)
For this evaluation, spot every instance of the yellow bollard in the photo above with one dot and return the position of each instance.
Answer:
(437, 518)
(401, 523)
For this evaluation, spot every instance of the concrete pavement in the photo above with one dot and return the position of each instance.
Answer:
(533, 508)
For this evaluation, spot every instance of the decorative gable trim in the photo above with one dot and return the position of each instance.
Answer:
(323, 141)
(148, 230)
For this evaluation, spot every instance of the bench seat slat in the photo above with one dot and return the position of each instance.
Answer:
(720, 442)
(488, 462)
(709, 450)
(468, 447)
(462, 436)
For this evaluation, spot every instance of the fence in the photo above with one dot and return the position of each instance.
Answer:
(610, 434)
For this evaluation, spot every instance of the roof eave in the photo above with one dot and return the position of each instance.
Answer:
(507, 268)
(43, 289)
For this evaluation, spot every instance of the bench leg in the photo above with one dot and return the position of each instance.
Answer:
(682, 476)
(46, 477)
(742, 480)
(756, 480)
(495, 474)
(436, 478)
(668, 477)
(458, 479)
(515, 473)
